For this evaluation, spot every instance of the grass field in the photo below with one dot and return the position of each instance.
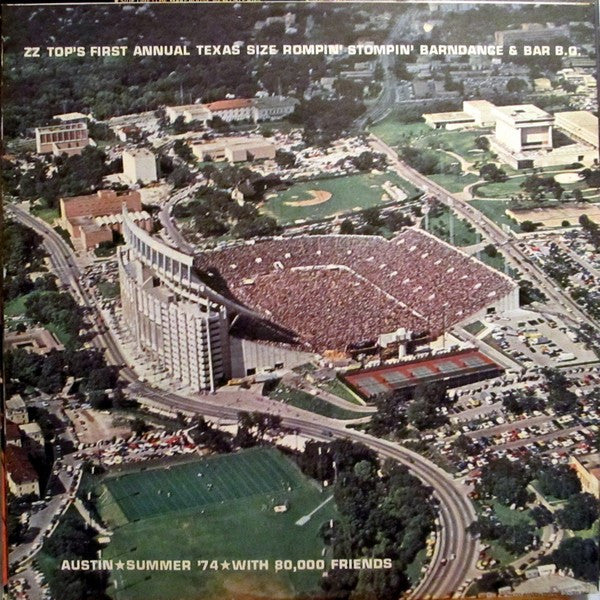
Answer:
(16, 306)
(46, 214)
(512, 186)
(454, 183)
(337, 388)
(464, 234)
(396, 133)
(230, 519)
(109, 290)
(307, 401)
(495, 210)
(350, 193)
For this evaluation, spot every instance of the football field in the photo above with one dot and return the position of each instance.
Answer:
(214, 480)
(219, 508)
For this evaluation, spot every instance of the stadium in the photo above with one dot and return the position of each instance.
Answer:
(275, 303)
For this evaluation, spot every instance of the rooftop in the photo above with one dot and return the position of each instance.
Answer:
(409, 374)
(520, 113)
(139, 152)
(229, 104)
(19, 466)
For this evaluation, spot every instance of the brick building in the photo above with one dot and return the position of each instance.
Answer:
(92, 219)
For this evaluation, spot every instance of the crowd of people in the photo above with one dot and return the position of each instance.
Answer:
(413, 281)
(329, 308)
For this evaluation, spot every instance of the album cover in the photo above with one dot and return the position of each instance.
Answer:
(300, 300)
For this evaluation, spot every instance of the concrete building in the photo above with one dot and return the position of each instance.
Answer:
(16, 411)
(32, 437)
(70, 138)
(175, 326)
(235, 149)
(530, 33)
(587, 468)
(238, 109)
(450, 120)
(183, 325)
(482, 112)
(271, 108)
(84, 217)
(263, 108)
(580, 125)
(139, 164)
(72, 117)
(523, 127)
(21, 476)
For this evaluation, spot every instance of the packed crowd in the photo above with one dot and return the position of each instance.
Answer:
(332, 308)
(431, 279)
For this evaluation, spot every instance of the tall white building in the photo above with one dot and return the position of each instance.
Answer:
(139, 164)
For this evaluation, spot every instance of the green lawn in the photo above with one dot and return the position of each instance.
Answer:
(496, 262)
(47, 214)
(16, 306)
(592, 533)
(396, 133)
(232, 521)
(109, 290)
(307, 401)
(337, 388)
(496, 211)
(464, 234)
(474, 328)
(413, 570)
(502, 189)
(454, 183)
(348, 194)
(512, 186)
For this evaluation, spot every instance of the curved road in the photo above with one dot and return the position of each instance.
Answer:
(456, 511)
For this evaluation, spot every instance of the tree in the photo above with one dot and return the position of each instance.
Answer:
(578, 555)
(490, 172)
(103, 378)
(505, 481)
(515, 85)
(515, 538)
(541, 516)
(347, 227)
(491, 250)
(482, 143)
(99, 400)
(285, 160)
(139, 426)
(559, 481)
(528, 226)
(579, 513)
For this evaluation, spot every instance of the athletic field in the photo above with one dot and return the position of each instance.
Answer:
(214, 480)
(345, 195)
(225, 514)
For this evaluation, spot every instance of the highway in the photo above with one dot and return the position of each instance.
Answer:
(505, 242)
(386, 100)
(455, 509)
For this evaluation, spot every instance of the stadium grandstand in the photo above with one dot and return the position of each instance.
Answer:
(275, 303)
(335, 291)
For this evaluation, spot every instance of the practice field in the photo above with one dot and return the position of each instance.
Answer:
(213, 480)
(322, 198)
(224, 515)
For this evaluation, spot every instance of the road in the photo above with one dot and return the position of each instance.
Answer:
(495, 234)
(455, 509)
(386, 100)
(173, 234)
